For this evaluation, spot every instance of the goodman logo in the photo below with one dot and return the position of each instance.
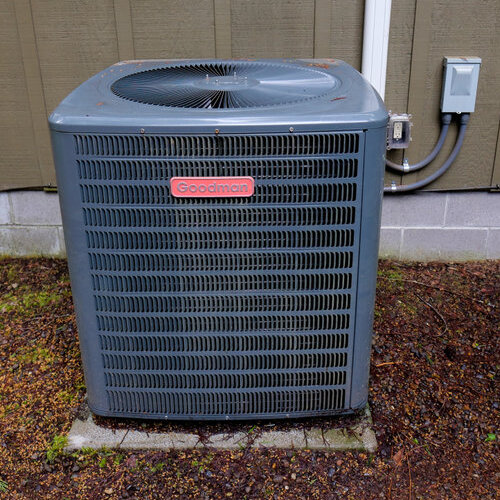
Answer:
(211, 187)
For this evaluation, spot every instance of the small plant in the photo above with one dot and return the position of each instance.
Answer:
(56, 447)
(158, 467)
(491, 437)
(204, 462)
(12, 274)
(85, 450)
(3, 486)
(102, 462)
(34, 355)
(390, 274)
(66, 397)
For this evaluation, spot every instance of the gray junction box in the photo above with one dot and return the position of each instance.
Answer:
(254, 301)
(461, 76)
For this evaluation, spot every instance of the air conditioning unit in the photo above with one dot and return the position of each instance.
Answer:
(222, 223)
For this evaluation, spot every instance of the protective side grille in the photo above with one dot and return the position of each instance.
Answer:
(133, 194)
(265, 260)
(222, 303)
(268, 341)
(310, 280)
(218, 217)
(235, 307)
(224, 145)
(224, 362)
(186, 240)
(223, 322)
(150, 170)
(226, 402)
(219, 381)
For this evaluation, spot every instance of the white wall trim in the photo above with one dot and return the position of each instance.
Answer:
(376, 42)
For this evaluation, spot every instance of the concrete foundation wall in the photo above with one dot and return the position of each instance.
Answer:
(423, 226)
(30, 224)
(441, 226)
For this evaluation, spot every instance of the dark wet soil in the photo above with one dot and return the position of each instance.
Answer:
(434, 399)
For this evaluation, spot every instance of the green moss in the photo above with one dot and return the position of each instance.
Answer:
(56, 448)
(12, 274)
(24, 302)
(390, 274)
(34, 355)
(407, 307)
(66, 397)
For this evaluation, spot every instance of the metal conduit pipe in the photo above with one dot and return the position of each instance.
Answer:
(406, 168)
(464, 120)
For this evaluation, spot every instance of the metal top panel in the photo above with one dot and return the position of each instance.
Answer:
(348, 103)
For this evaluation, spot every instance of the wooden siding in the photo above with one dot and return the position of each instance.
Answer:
(48, 47)
(18, 153)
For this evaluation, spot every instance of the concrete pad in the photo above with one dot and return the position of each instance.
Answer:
(228, 441)
(86, 434)
(289, 439)
(360, 436)
(140, 440)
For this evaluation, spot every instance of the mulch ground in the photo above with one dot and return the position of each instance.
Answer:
(434, 400)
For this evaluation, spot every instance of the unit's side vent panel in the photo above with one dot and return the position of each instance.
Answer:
(205, 146)
(223, 307)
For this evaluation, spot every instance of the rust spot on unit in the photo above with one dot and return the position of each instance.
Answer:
(100, 103)
(338, 98)
(319, 65)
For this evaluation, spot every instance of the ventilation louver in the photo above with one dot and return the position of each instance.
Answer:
(222, 307)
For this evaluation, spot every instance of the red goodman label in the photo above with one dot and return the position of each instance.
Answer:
(211, 187)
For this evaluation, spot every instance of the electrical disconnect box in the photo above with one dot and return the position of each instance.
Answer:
(460, 79)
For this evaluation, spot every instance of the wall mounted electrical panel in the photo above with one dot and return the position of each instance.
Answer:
(460, 79)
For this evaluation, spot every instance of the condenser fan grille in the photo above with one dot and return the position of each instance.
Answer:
(225, 85)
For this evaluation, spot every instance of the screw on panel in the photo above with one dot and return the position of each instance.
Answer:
(291, 129)
(216, 131)
(142, 131)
